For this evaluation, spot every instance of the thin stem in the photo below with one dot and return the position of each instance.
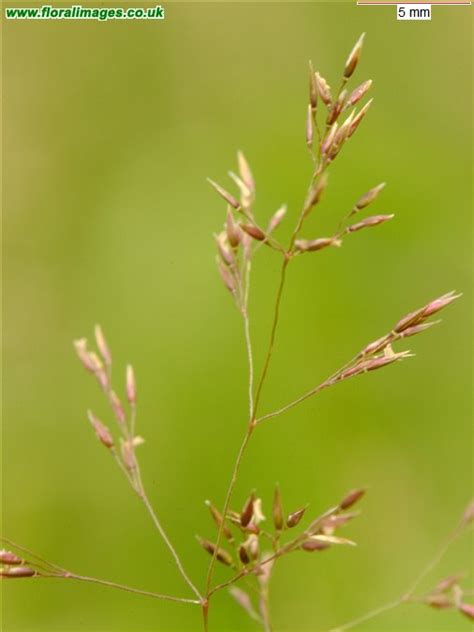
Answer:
(452, 537)
(225, 510)
(254, 406)
(133, 419)
(304, 212)
(368, 616)
(104, 582)
(288, 548)
(265, 603)
(135, 480)
(122, 466)
(167, 541)
(292, 404)
(407, 597)
(251, 424)
(23, 549)
(332, 379)
(248, 341)
(271, 344)
(265, 610)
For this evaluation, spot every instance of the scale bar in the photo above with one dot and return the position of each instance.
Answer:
(361, 3)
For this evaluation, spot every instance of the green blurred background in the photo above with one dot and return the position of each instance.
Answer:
(110, 130)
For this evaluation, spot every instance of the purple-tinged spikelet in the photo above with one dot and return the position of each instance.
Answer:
(354, 57)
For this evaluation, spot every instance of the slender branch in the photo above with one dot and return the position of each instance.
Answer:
(276, 318)
(162, 532)
(265, 602)
(133, 419)
(248, 342)
(256, 401)
(225, 510)
(244, 572)
(265, 609)
(408, 596)
(332, 379)
(122, 467)
(133, 475)
(369, 615)
(109, 584)
(23, 549)
(55, 571)
(138, 487)
(251, 424)
(299, 225)
(452, 537)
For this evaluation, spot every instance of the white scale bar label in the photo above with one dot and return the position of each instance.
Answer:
(413, 11)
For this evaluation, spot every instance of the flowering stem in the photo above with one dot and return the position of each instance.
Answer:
(251, 424)
(253, 407)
